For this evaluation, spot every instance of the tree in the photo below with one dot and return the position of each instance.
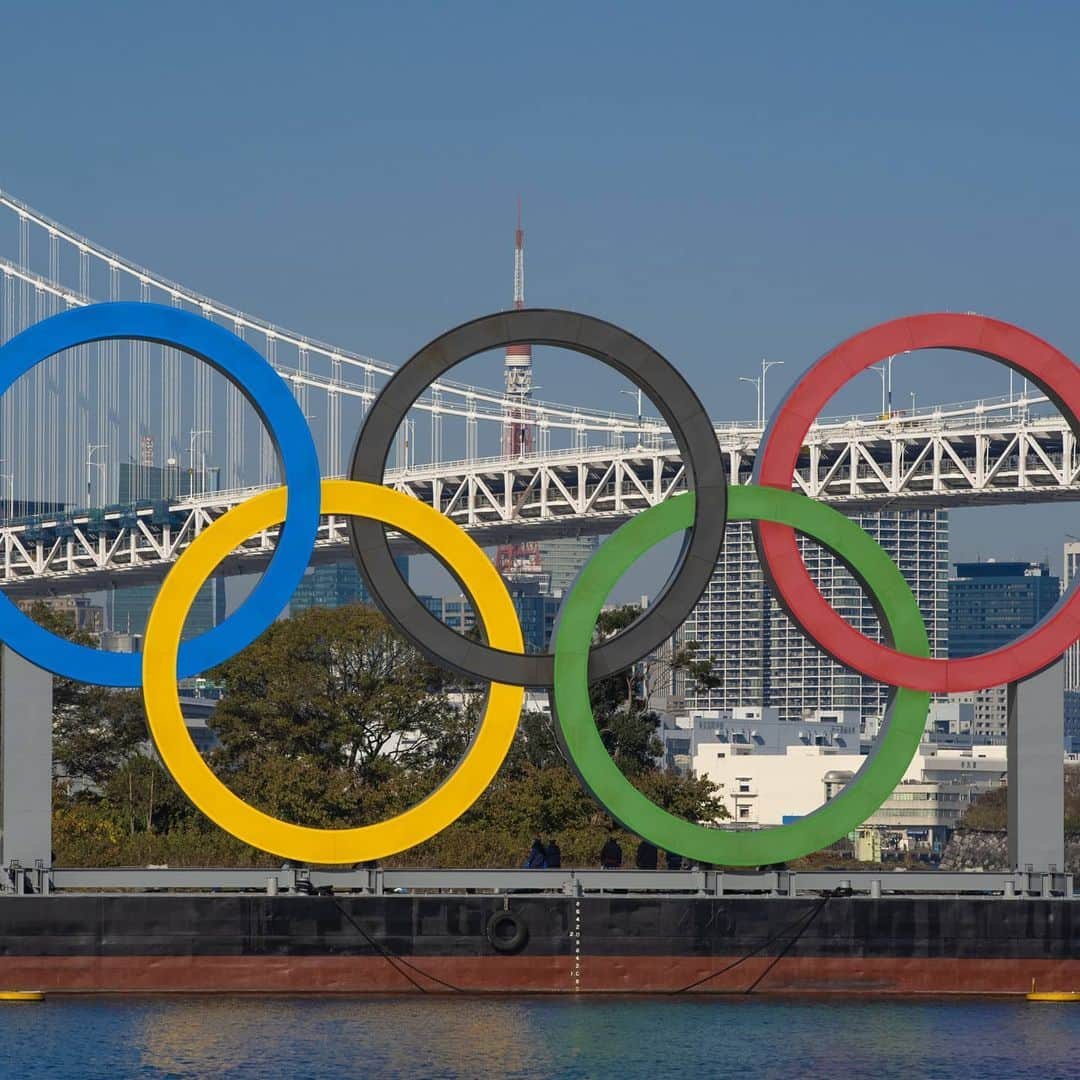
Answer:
(140, 796)
(107, 783)
(341, 698)
(990, 810)
(96, 732)
(66, 692)
(527, 800)
(536, 743)
(702, 672)
(95, 728)
(626, 726)
(330, 720)
(622, 703)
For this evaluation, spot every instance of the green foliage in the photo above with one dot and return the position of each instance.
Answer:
(66, 692)
(626, 726)
(535, 793)
(620, 703)
(95, 729)
(87, 834)
(325, 712)
(629, 735)
(990, 811)
(338, 685)
(701, 672)
(96, 732)
(525, 801)
(141, 797)
(331, 720)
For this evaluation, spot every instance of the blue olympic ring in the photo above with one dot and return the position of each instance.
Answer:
(285, 422)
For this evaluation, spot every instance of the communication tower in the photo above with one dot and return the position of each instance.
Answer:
(517, 561)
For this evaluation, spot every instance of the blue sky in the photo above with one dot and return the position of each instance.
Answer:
(729, 181)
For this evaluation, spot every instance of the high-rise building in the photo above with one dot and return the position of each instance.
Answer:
(139, 482)
(455, 611)
(148, 483)
(129, 608)
(536, 612)
(77, 611)
(335, 585)
(765, 660)
(1072, 657)
(990, 604)
(563, 558)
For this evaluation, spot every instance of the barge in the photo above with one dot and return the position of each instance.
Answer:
(835, 940)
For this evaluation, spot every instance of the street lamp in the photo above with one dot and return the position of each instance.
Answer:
(765, 365)
(636, 393)
(759, 384)
(191, 459)
(10, 478)
(756, 384)
(884, 371)
(91, 464)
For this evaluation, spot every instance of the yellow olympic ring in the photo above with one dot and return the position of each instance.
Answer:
(460, 790)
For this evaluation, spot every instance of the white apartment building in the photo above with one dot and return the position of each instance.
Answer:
(754, 729)
(765, 660)
(763, 789)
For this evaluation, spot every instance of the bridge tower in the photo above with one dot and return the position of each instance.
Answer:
(518, 560)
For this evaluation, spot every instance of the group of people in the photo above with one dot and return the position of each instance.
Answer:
(646, 858)
(548, 856)
(543, 856)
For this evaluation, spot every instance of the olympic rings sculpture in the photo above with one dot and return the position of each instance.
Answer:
(701, 513)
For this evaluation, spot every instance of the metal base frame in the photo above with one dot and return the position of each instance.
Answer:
(569, 882)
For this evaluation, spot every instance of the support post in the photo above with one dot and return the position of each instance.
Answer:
(25, 762)
(1037, 771)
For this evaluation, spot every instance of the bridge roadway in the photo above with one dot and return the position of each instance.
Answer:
(968, 456)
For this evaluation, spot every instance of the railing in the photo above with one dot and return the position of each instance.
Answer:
(568, 882)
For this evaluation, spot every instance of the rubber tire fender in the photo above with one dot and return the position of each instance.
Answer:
(516, 942)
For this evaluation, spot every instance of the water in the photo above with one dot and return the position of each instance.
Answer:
(628, 1038)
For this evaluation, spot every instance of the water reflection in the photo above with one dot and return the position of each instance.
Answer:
(526, 1038)
(441, 1036)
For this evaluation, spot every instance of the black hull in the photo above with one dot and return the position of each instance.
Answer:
(449, 944)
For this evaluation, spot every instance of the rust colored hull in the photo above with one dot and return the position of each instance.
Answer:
(609, 974)
(624, 944)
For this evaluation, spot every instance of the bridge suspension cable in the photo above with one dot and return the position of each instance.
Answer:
(169, 425)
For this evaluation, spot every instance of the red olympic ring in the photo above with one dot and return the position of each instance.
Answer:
(1053, 372)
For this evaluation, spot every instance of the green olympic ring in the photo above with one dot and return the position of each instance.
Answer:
(905, 718)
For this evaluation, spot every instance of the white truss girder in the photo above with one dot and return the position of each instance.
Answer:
(854, 467)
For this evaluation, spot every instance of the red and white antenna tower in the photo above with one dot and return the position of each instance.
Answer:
(518, 560)
(517, 367)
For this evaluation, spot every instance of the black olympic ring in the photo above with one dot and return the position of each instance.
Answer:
(677, 403)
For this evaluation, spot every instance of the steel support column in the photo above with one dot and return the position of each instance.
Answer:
(1037, 771)
(25, 762)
